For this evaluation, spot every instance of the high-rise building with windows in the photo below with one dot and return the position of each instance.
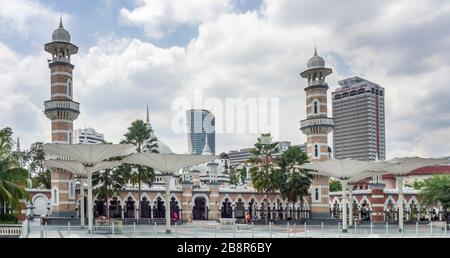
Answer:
(201, 125)
(359, 120)
(89, 136)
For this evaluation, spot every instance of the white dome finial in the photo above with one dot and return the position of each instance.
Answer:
(206, 150)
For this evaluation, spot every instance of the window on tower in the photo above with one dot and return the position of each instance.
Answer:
(316, 150)
(317, 194)
(316, 109)
(69, 137)
(69, 88)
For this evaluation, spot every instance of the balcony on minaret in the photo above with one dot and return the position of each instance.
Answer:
(319, 125)
(62, 109)
(317, 83)
(60, 59)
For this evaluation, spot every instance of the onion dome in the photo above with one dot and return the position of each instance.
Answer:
(60, 34)
(316, 61)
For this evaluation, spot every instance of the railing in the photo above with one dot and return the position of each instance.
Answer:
(213, 229)
(10, 230)
(318, 83)
(59, 59)
(316, 121)
(63, 104)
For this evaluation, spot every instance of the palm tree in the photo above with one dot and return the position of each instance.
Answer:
(265, 177)
(13, 178)
(141, 135)
(436, 190)
(108, 182)
(295, 182)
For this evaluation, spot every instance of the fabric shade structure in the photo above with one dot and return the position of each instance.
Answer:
(91, 156)
(402, 168)
(79, 169)
(88, 154)
(346, 170)
(167, 164)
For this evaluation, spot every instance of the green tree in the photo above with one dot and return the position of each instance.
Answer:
(295, 182)
(234, 177)
(435, 190)
(41, 174)
(108, 182)
(141, 135)
(6, 143)
(416, 184)
(335, 185)
(265, 177)
(13, 178)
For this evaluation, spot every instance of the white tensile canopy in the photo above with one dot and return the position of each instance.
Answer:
(405, 166)
(79, 169)
(346, 170)
(88, 155)
(167, 164)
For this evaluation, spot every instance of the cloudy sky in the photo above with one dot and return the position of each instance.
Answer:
(136, 52)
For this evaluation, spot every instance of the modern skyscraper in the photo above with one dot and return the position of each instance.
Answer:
(201, 124)
(317, 126)
(62, 111)
(359, 122)
(88, 136)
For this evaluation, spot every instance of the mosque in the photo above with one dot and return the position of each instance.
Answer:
(204, 192)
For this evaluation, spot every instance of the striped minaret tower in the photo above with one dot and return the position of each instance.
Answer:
(316, 126)
(62, 111)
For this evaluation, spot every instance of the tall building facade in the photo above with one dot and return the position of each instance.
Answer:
(88, 136)
(201, 126)
(359, 117)
(317, 126)
(62, 110)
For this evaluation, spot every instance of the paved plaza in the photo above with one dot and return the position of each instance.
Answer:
(211, 229)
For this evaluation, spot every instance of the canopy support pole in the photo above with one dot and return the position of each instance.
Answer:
(167, 181)
(400, 180)
(82, 202)
(350, 205)
(90, 210)
(344, 205)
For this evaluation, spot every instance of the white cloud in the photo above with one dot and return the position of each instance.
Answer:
(158, 17)
(22, 85)
(25, 18)
(400, 46)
